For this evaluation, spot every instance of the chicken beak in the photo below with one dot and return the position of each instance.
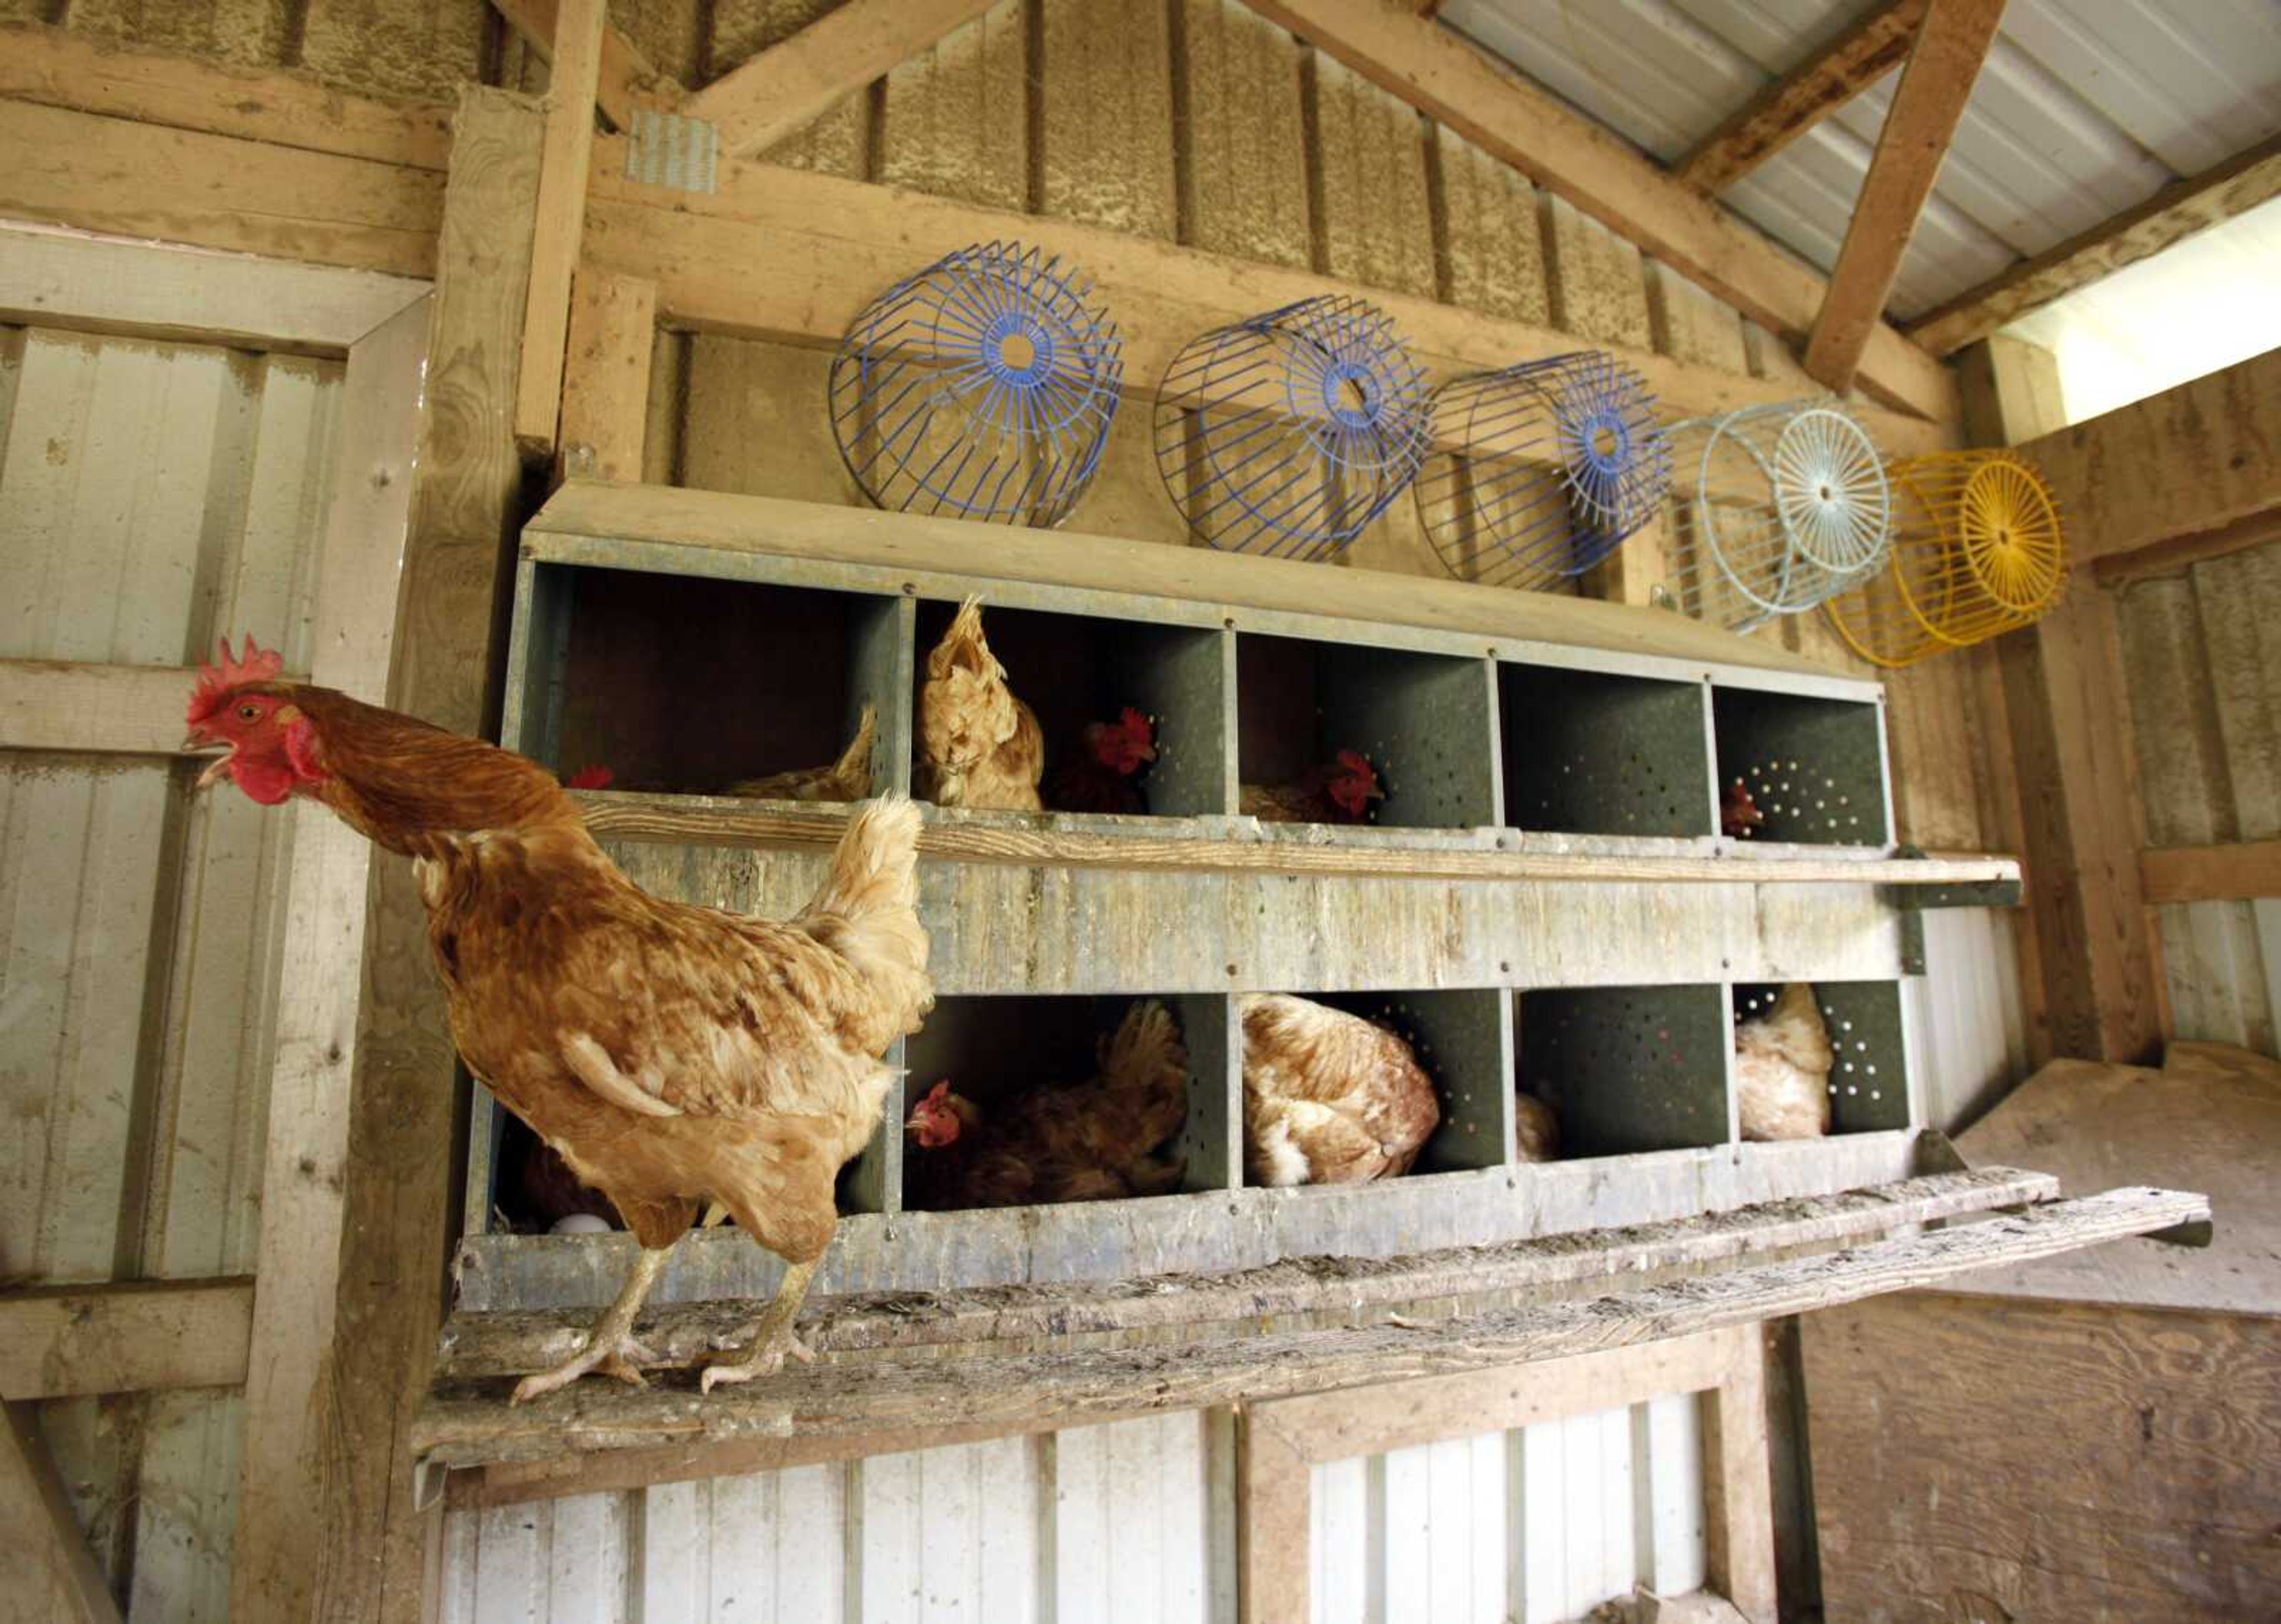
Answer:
(198, 743)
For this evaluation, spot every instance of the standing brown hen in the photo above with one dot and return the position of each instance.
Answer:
(978, 744)
(672, 1054)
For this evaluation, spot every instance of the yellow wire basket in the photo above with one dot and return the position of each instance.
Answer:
(1977, 550)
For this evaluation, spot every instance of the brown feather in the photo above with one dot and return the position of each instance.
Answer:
(1328, 1097)
(979, 745)
(849, 778)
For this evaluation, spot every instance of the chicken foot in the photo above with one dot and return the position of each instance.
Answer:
(610, 1347)
(773, 1341)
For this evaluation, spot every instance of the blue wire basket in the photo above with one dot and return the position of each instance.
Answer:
(1539, 470)
(982, 388)
(1287, 433)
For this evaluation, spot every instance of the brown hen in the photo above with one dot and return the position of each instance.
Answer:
(1328, 1097)
(979, 745)
(1782, 1069)
(673, 1055)
(1096, 1141)
(849, 778)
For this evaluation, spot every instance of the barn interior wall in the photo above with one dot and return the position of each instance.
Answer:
(1189, 121)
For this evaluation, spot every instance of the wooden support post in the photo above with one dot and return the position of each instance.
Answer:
(405, 1114)
(1738, 1482)
(627, 83)
(561, 221)
(606, 377)
(46, 1569)
(1952, 43)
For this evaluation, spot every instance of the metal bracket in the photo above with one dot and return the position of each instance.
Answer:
(665, 148)
(429, 1477)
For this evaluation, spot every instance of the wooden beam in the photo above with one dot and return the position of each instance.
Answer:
(99, 709)
(561, 221)
(54, 277)
(787, 87)
(1439, 74)
(1738, 1485)
(1272, 1516)
(1950, 45)
(1801, 98)
(58, 67)
(2174, 553)
(626, 83)
(60, 1342)
(2180, 210)
(406, 1102)
(132, 179)
(605, 376)
(472, 1425)
(46, 1570)
(293, 1397)
(2210, 873)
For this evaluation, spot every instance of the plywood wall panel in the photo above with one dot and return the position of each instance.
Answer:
(1105, 128)
(838, 142)
(1374, 227)
(251, 33)
(955, 122)
(2237, 599)
(1492, 232)
(413, 47)
(2174, 723)
(1244, 174)
(758, 421)
(1598, 281)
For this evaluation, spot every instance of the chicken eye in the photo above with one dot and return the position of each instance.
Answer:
(249, 713)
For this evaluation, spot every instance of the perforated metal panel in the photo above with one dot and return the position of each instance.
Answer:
(1815, 768)
(1591, 753)
(1629, 1069)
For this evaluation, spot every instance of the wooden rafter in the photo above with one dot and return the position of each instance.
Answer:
(790, 84)
(1952, 44)
(2170, 216)
(1442, 76)
(1802, 97)
(627, 83)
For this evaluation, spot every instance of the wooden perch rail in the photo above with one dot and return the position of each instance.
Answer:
(1032, 1391)
(481, 1346)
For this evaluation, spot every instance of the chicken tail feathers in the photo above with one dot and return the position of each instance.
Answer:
(866, 909)
(855, 763)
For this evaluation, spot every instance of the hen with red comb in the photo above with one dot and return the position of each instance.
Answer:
(228, 671)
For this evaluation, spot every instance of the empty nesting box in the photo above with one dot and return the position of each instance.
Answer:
(1592, 752)
(1629, 1069)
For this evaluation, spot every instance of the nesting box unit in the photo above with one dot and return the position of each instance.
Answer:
(1546, 901)
(1977, 550)
(1773, 510)
(1540, 470)
(1286, 433)
(983, 386)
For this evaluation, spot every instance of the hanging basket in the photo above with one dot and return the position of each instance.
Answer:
(1977, 550)
(1539, 470)
(982, 387)
(1773, 510)
(1286, 434)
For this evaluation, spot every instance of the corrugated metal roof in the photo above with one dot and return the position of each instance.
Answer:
(2084, 108)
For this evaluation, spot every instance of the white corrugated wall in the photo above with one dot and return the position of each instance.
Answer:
(1128, 1523)
(152, 496)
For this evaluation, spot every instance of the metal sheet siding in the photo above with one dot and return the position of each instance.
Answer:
(151, 496)
(1128, 1523)
(2084, 108)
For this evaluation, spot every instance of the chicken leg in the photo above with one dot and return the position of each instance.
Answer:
(773, 1341)
(610, 1347)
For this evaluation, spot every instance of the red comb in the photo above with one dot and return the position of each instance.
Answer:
(217, 681)
(1357, 764)
(594, 778)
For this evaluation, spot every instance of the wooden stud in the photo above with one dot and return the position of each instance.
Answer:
(46, 1568)
(104, 709)
(58, 67)
(1443, 77)
(1739, 1482)
(1802, 97)
(561, 221)
(606, 377)
(57, 1342)
(2180, 210)
(1272, 1517)
(305, 1173)
(2210, 873)
(406, 1105)
(1950, 45)
(782, 91)
(2176, 553)
(626, 84)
